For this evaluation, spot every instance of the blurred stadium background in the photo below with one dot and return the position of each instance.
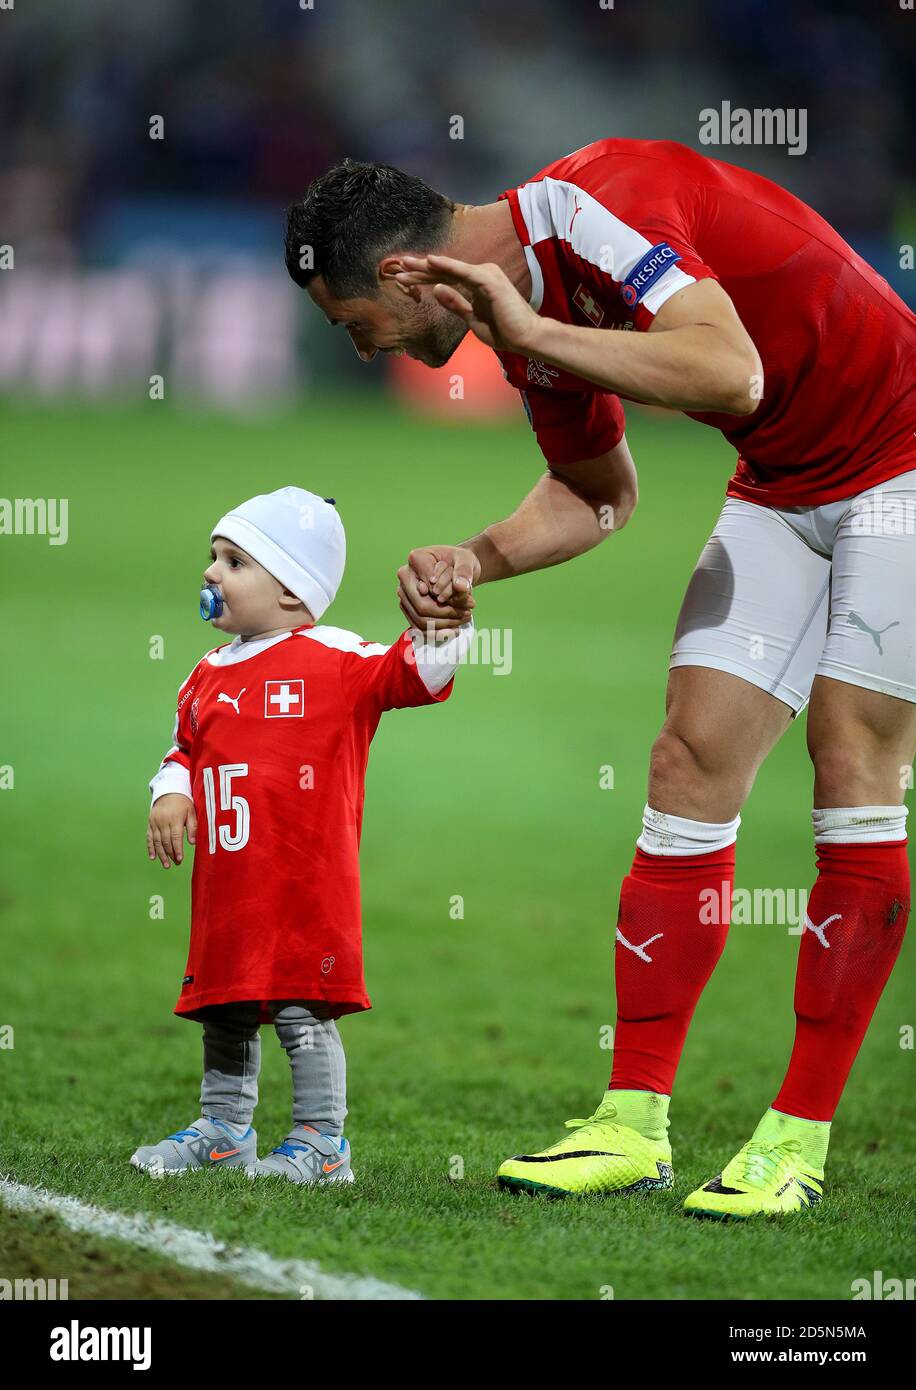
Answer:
(137, 257)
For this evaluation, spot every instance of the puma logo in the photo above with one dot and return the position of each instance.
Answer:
(574, 216)
(221, 698)
(819, 931)
(640, 950)
(855, 621)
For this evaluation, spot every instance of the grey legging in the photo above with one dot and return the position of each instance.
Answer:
(232, 1061)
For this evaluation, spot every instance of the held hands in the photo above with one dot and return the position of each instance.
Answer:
(482, 295)
(434, 587)
(169, 816)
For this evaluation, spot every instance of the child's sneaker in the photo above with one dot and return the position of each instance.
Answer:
(208, 1143)
(308, 1156)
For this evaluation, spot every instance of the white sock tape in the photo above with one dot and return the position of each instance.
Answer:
(859, 825)
(664, 834)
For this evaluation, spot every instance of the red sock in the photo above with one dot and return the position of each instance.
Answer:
(675, 909)
(866, 889)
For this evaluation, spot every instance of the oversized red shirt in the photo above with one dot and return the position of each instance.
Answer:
(611, 231)
(271, 743)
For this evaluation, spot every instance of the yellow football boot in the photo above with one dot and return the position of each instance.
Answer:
(763, 1178)
(597, 1157)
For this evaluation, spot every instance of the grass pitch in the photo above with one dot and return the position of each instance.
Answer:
(486, 1031)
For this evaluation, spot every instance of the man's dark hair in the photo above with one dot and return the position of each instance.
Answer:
(356, 214)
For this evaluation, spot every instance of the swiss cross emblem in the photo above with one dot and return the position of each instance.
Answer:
(589, 306)
(284, 699)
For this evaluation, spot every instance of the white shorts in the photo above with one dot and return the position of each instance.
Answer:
(781, 595)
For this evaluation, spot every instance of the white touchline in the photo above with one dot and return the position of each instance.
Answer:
(199, 1249)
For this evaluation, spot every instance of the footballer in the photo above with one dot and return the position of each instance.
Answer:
(642, 270)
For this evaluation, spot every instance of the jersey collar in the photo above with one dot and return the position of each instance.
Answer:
(534, 265)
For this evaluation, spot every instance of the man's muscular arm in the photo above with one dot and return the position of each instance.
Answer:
(568, 511)
(697, 355)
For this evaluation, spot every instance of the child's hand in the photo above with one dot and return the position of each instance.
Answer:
(169, 816)
(435, 586)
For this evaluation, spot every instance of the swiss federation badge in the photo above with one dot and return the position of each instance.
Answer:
(589, 306)
(284, 699)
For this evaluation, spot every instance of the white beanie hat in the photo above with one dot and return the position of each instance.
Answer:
(297, 537)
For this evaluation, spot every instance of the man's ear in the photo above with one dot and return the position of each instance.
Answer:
(390, 266)
(388, 269)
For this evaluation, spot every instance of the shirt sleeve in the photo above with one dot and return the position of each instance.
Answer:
(570, 425)
(636, 229)
(409, 672)
(174, 773)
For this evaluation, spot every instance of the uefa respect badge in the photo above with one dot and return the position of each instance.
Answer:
(644, 276)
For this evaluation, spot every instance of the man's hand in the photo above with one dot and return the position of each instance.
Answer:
(434, 587)
(168, 817)
(482, 295)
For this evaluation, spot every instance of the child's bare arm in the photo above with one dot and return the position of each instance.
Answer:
(169, 816)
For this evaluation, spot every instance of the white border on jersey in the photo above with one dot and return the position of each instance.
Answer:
(549, 209)
(342, 640)
(237, 650)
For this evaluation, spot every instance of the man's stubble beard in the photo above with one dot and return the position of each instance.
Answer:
(443, 335)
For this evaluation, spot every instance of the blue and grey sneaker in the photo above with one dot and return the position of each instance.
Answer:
(308, 1156)
(208, 1143)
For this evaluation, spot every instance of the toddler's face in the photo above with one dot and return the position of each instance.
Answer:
(253, 600)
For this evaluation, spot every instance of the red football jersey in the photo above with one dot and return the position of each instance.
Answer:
(614, 229)
(271, 743)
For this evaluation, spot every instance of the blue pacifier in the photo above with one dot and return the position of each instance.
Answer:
(211, 603)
